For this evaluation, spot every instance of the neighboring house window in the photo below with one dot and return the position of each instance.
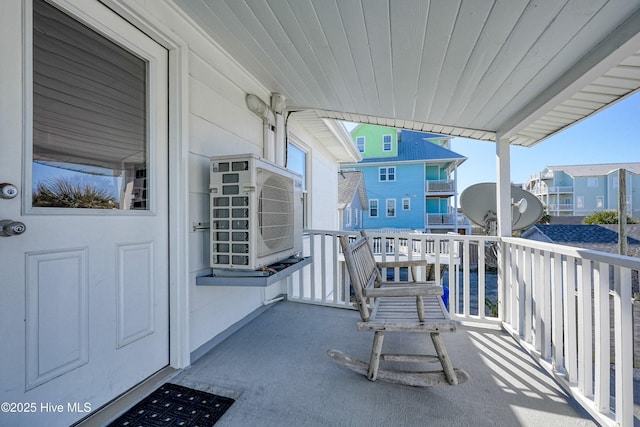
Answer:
(360, 143)
(599, 202)
(373, 208)
(580, 202)
(386, 142)
(387, 174)
(406, 204)
(592, 182)
(391, 208)
(356, 213)
(347, 214)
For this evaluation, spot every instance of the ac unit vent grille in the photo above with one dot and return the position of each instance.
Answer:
(255, 213)
(275, 214)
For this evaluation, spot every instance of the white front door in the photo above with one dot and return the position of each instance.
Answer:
(83, 137)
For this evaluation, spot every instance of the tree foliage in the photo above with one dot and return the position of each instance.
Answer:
(63, 193)
(607, 217)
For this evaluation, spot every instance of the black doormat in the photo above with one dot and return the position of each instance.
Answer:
(175, 405)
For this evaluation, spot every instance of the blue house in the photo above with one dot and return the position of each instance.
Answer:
(410, 179)
(581, 190)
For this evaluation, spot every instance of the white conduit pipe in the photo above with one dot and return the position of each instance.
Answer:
(259, 107)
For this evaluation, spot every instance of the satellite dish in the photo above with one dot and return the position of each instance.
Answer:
(479, 203)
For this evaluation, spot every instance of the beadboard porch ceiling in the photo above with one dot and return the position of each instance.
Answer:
(481, 69)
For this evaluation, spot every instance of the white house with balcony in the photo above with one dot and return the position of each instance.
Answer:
(581, 190)
(100, 297)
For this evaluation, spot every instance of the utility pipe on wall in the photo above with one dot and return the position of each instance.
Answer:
(259, 107)
(278, 103)
(274, 138)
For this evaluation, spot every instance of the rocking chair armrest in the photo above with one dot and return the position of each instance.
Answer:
(404, 263)
(404, 291)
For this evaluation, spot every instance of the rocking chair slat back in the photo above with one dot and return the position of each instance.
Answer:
(362, 269)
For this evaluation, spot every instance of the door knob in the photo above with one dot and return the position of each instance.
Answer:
(8, 191)
(11, 228)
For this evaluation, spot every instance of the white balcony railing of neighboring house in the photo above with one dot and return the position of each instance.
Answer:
(570, 308)
(560, 189)
(560, 206)
(439, 186)
(446, 219)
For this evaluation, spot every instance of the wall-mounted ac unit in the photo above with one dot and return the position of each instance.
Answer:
(256, 212)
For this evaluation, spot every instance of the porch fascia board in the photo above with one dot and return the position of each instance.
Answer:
(610, 52)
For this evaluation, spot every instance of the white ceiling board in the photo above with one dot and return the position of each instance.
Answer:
(461, 66)
(440, 24)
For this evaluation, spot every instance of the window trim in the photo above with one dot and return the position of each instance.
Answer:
(386, 205)
(377, 208)
(384, 177)
(364, 143)
(307, 184)
(408, 200)
(384, 150)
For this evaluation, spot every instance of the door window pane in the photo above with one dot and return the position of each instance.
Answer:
(90, 113)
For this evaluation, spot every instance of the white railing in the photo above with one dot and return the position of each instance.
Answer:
(561, 189)
(447, 219)
(563, 303)
(560, 206)
(325, 281)
(560, 302)
(439, 186)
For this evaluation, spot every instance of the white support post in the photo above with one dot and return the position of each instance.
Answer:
(503, 187)
(503, 214)
(455, 199)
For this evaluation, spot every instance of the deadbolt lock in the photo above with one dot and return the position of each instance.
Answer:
(8, 191)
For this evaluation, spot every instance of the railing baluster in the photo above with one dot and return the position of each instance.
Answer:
(481, 281)
(537, 285)
(323, 270)
(545, 316)
(340, 295)
(467, 278)
(527, 286)
(623, 346)
(512, 284)
(602, 334)
(585, 331)
(557, 313)
(570, 332)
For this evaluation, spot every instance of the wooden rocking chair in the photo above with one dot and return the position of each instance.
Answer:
(397, 307)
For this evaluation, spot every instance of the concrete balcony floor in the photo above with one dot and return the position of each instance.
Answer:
(277, 369)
